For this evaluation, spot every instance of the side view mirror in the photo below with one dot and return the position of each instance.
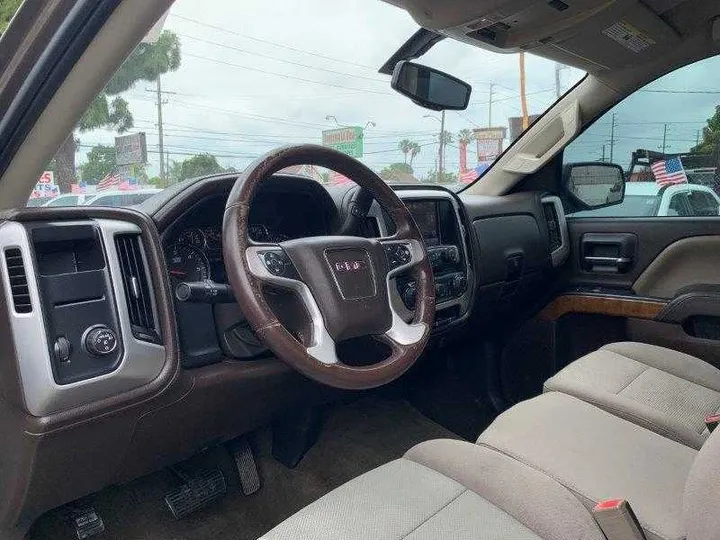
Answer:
(594, 185)
(429, 87)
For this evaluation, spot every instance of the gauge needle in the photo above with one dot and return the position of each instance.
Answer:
(177, 272)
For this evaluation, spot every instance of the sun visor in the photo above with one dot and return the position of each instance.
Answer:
(593, 35)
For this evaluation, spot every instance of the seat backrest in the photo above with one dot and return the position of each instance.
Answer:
(702, 492)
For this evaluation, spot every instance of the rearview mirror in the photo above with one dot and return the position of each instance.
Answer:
(429, 87)
(594, 185)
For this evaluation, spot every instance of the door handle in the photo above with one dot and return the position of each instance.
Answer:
(607, 253)
(615, 261)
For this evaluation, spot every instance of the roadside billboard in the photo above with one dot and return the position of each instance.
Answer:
(489, 142)
(130, 149)
(348, 140)
(516, 123)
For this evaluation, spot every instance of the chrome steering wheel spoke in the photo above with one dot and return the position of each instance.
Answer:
(270, 264)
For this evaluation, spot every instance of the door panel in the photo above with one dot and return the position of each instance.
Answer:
(667, 294)
(653, 237)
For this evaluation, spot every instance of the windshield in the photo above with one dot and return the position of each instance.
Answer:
(212, 89)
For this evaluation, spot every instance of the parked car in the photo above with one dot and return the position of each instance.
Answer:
(646, 199)
(121, 198)
(69, 199)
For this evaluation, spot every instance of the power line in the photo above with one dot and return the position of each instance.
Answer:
(268, 42)
(283, 60)
(283, 75)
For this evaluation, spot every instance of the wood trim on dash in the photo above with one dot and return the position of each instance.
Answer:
(602, 305)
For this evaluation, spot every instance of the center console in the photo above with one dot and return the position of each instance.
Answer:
(437, 215)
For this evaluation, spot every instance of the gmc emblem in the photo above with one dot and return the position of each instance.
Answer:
(342, 267)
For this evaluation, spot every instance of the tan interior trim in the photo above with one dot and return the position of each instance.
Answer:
(602, 305)
(694, 260)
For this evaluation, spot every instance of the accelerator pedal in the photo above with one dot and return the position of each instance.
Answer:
(245, 463)
(196, 492)
(87, 522)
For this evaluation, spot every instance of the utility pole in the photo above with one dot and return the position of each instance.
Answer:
(558, 84)
(612, 138)
(523, 96)
(163, 179)
(664, 137)
(603, 153)
(161, 148)
(490, 104)
(167, 165)
(441, 146)
(697, 138)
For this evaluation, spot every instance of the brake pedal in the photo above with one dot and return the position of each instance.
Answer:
(245, 463)
(87, 522)
(196, 492)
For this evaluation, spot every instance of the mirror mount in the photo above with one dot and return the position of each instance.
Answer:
(430, 88)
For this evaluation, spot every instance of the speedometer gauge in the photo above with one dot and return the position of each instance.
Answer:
(192, 237)
(186, 263)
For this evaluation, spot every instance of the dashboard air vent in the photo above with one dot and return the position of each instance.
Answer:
(553, 225)
(136, 287)
(18, 280)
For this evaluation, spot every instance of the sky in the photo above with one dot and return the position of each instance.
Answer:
(257, 75)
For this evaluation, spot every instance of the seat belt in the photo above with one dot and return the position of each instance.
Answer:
(617, 520)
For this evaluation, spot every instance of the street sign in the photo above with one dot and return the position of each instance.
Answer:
(130, 149)
(348, 140)
(489, 143)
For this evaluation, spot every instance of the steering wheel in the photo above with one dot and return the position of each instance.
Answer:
(343, 281)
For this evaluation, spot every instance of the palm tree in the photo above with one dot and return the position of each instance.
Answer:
(464, 136)
(414, 151)
(405, 147)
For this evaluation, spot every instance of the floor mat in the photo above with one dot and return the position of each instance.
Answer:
(355, 438)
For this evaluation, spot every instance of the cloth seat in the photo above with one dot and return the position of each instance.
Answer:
(445, 489)
(599, 456)
(666, 391)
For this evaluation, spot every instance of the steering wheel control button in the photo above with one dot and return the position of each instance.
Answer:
(397, 255)
(275, 262)
(62, 349)
(100, 341)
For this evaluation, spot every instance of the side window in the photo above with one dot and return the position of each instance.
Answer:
(661, 135)
(678, 206)
(703, 203)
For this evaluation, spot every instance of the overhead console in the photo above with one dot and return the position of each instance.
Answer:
(437, 214)
(589, 34)
(82, 315)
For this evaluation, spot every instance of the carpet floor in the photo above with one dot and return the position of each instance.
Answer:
(355, 438)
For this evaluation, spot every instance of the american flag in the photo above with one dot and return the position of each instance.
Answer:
(110, 181)
(468, 176)
(669, 172)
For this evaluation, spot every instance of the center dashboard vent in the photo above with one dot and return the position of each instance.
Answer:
(18, 280)
(136, 287)
(553, 225)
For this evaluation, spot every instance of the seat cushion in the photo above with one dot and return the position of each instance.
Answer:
(663, 390)
(444, 489)
(598, 456)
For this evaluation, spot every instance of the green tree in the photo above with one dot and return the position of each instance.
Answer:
(464, 136)
(396, 172)
(100, 163)
(445, 178)
(711, 134)
(199, 165)
(405, 146)
(110, 111)
(414, 151)
(7, 10)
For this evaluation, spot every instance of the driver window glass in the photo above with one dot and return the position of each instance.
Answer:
(663, 134)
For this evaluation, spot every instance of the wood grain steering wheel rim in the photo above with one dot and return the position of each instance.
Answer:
(343, 281)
